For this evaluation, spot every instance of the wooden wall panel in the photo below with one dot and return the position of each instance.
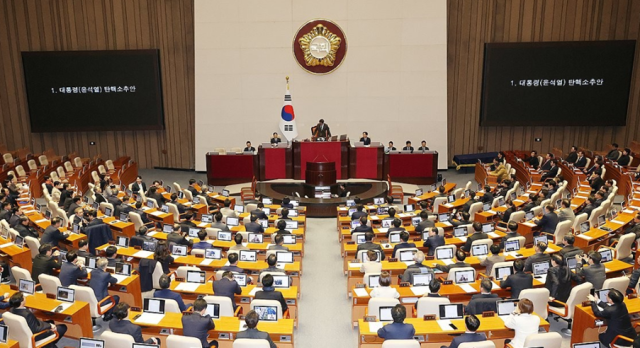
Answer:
(48, 25)
(472, 23)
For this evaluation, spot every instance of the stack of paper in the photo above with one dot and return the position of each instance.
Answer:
(467, 288)
(41, 221)
(493, 235)
(375, 326)
(419, 290)
(6, 245)
(152, 233)
(202, 224)
(353, 264)
(143, 254)
(584, 237)
(157, 213)
(191, 287)
(150, 318)
(447, 261)
(383, 230)
(243, 326)
(206, 262)
(361, 292)
(464, 239)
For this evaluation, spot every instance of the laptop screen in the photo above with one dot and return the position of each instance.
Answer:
(394, 237)
(572, 263)
(479, 250)
(248, 255)
(488, 228)
(213, 253)
(267, 313)
(213, 309)
(385, 314)
(123, 268)
(291, 225)
(122, 242)
(444, 217)
(406, 255)
(512, 245)
(206, 218)
(289, 239)
(529, 215)
(179, 250)
(386, 223)
(240, 278)
(503, 271)
(606, 255)
(193, 232)
(255, 237)
(355, 223)
(421, 279)
(451, 198)
(462, 277)
(415, 220)
(513, 196)
(360, 239)
(91, 343)
(226, 193)
(601, 295)
(293, 213)
(150, 204)
(587, 345)
(540, 239)
(584, 227)
(239, 208)
(501, 201)
(451, 311)
(232, 222)
(506, 307)
(408, 208)
(4, 333)
(167, 228)
(164, 208)
(153, 305)
(486, 206)
(196, 277)
(65, 294)
(196, 200)
(284, 257)
(224, 236)
(281, 281)
(460, 231)
(107, 211)
(264, 223)
(350, 202)
(19, 241)
(601, 220)
(149, 245)
(378, 200)
(540, 268)
(374, 281)
(124, 217)
(419, 192)
(365, 257)
(267, 201)
(444, 253)
(266, 211)
(27, 286)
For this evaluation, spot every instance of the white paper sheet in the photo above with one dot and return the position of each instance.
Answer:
(40, 221)
(191, 287)
(6, 245)
(353, 264)
(464, 239)
(360, 292)
(493, 235)
(157, 213)
(494, 286)
(444, 325)
(530, 224)
(584, 237)
(447, 261)
(152, 233)
(448, 224)
(143, 254)
(420, 290)
(206, 262)
(383, 230)
(120, 277)
(375, 326)
(150, 318)
(242, 326)
(409, 263)
(202, 224)
(254, 290)
(467, 288)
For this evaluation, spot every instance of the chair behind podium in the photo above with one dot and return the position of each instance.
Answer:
(313, 132)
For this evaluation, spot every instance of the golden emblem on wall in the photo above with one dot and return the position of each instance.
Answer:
(320, 46)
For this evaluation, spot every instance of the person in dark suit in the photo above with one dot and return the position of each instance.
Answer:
(268, 292)
(591, 205)
(122, 325)
(397, 330)
(25, 230)
(249, 148)
(614, 153)
(404, 237)
(6, 212)
(581, 161)
(492, 259)
(322, 130)
(174, 200)
(408, 147)
(539, 256)
(533, 160)
(477, 235)
(594, 273)
(365, 140)
(546, 164)
(423, 146)
(281, 225)
(396, 223)
(72, 270)
(113, 198)
(488, 195)
(460, 219)
(472, 323)
(192, 187)
(548, 222)
(425, 223)
(227, 286)
(552, 172)
(485, 301)
(217, 222)
(434, 291)
(634, 226)
(472, 199)
(625, 159)
(507, 213)
(460, 257)
(512, 232)
(141, 237)
(17, 304)
(390, 147)
(45, 262)
(558, 280)
(138, 185)
(617, 315)
(75, 204)
(139, 211)
(178, 237)
(596, 168)
(572, 156)
(518, 281)
(64, 195)
(569, 250)
(363, 227)
(187, 223)
(416, 267)
(251, 321)
(198, 323)
(253, 226)
(52, 234)
(370, 245)
(83, 248)
(286, 203)
(78, 218)
(111, 252)
(596, 182)
(275, 139)
(433, 241)
(166, 293)
(259, 212)
(92, 220)
(48, 183)
(153, 193)
(100, 282)
(202, 244)
(358, 213)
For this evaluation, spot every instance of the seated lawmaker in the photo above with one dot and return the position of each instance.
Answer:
(533, 160)
(397, 330)
(471, 323)
(199, 323)
(249, 148)
(36, 326)
(518, 281)
(373, 265)
(423, 146)
(268, 292)
(251, 322)
(123, 325)
(408, 147)
(365, 140)
(485, 301)
(433, 241)
(166, 293)
(279, 240)
(203, 244)
(625, 159)
(390, 147)
(275, 139)
(404, 237)
(72, 270)
(370, 245)
(363, 227)
(286, 203)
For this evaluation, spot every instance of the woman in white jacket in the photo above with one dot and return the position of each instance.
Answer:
(384, 290)
(523, 321)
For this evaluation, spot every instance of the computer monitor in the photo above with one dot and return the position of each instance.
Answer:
(488, 227)
(444, 253)
(601, 220)
(506, 307)
(196, 277)
(451, 311)
(196, 200)
(179, 250)
(463, 277)
(293, 213)
(248, 255)
(164, 208)
(351, 202)
(150, 204)
(123, 268)
(149, 245)
(408, 208)
(225, 193)
(373, 281)
(601, 295)
(360, 239)
(95, 205)
(211, 189)
(193, 232)
(27, 286)
(291, 224)
(232, 222)
(256, 237)
(281, 281)
(419, 192)
(486, 206)
(122, 242)
(19, 241)
(267, 201)
(206, 218)
(444, 217)
(240, 278)
(540, 268)
(213, 309)
(267, 313)
(92, 343)
(586, 345)
(585, 227)
(394, 237)
(153, 305)
(284, 257)
(434, 187)
(224, 236)
(264, 223)
(200, 183)
(572, 263)
(266, 210)
(90, 262)
(415, 221)
(239, 208)
(355, 223)
(460, 232)
(529, 215)
(168, 188)
(421, 279)
(124, 217)
(180, 195)
(479, 250)
(513, 196)
(107, 211)
(383, 210)
(386, 223)
(540, 239)
(378, 200)
(606, 255)
(65, 294)
(213, 253)
(385, 313)
(467, 193)
(503, 271)
(406, 255)
(289, 239)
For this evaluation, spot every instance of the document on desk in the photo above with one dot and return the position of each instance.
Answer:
(409, 263)
(41, 221)
(29, 211)
(464, 239)
(254, 290)
(157, 213)
(242, 326)
(64, 306)
(150, 318)
(143, 254)
(191, 287)
(494, 286)
(202, 224)
(629, 211)
(530, 224)
(517, 201)
(617, 222)
(383, 230)
(447, 223)
(493, 235)
(206, 262)
(120, 277)
(491, 212)
(445, 325)
(584, 237)
(467, 288)
(353, 264)
(152, 233)
(448, 205)
(419, 290)
(447, 261)
(6, 245)
(374, 326)
(361, 292)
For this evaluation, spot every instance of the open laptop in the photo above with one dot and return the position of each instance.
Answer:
(291, 225)
(164, 208)
(267, 201)
(289, 239)
(586, 345)
(584, 227)
(284, 257)
(122, 242)
(149, 245)
(360, 239)
(488, 227)
(506, 307)
(238, 208)
(444, 254)
(394, 237)
(528, 216)
(19, 242)
(179, 250)
(240, 278)
(606, 255)
(444, 217)
(225, 193)
(373, 281)
(350, 203)
(386, 223)
(464, 277)
(421, 279)
(281, 281)
(213, 309)
(213, 253)
(406, 255)
(232, 222)
(124, 217)
(486, 206)
(167, 228)
(503, 271)
(365, 257)
(385, 313)
(419, 192)
(248, 255)
(451, 198)
(415, 221)
(92, 343)
(601, 220)
(408, 208)
(267, 313)
(193, 232)
(479, 250)
(378, 200)
(206, 218)
(293, 213)
(224, 236)
(107, 211)
(512, 245)
(153, 305)
(65, 295)
(355, 223)
(451, 311)
(27, 286)
(540, 239)
(196, 277)
(256, 238)
(264, 223)
(602, 294)
(4, 334)
(540, 269)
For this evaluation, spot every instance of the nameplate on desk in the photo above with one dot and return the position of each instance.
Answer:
(447, 282)
(632, 296)
(370, 319)
(586, 303)
(488, 314)
(429, 317)
(351, 243)
(392, 259)
(417, 239)
(404, 284)
(360, 286)
(51, 296)
(429, 258)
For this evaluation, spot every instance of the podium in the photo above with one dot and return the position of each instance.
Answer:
(320, 151)
(320, 173)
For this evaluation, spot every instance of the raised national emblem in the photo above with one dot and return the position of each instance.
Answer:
(319, 46)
